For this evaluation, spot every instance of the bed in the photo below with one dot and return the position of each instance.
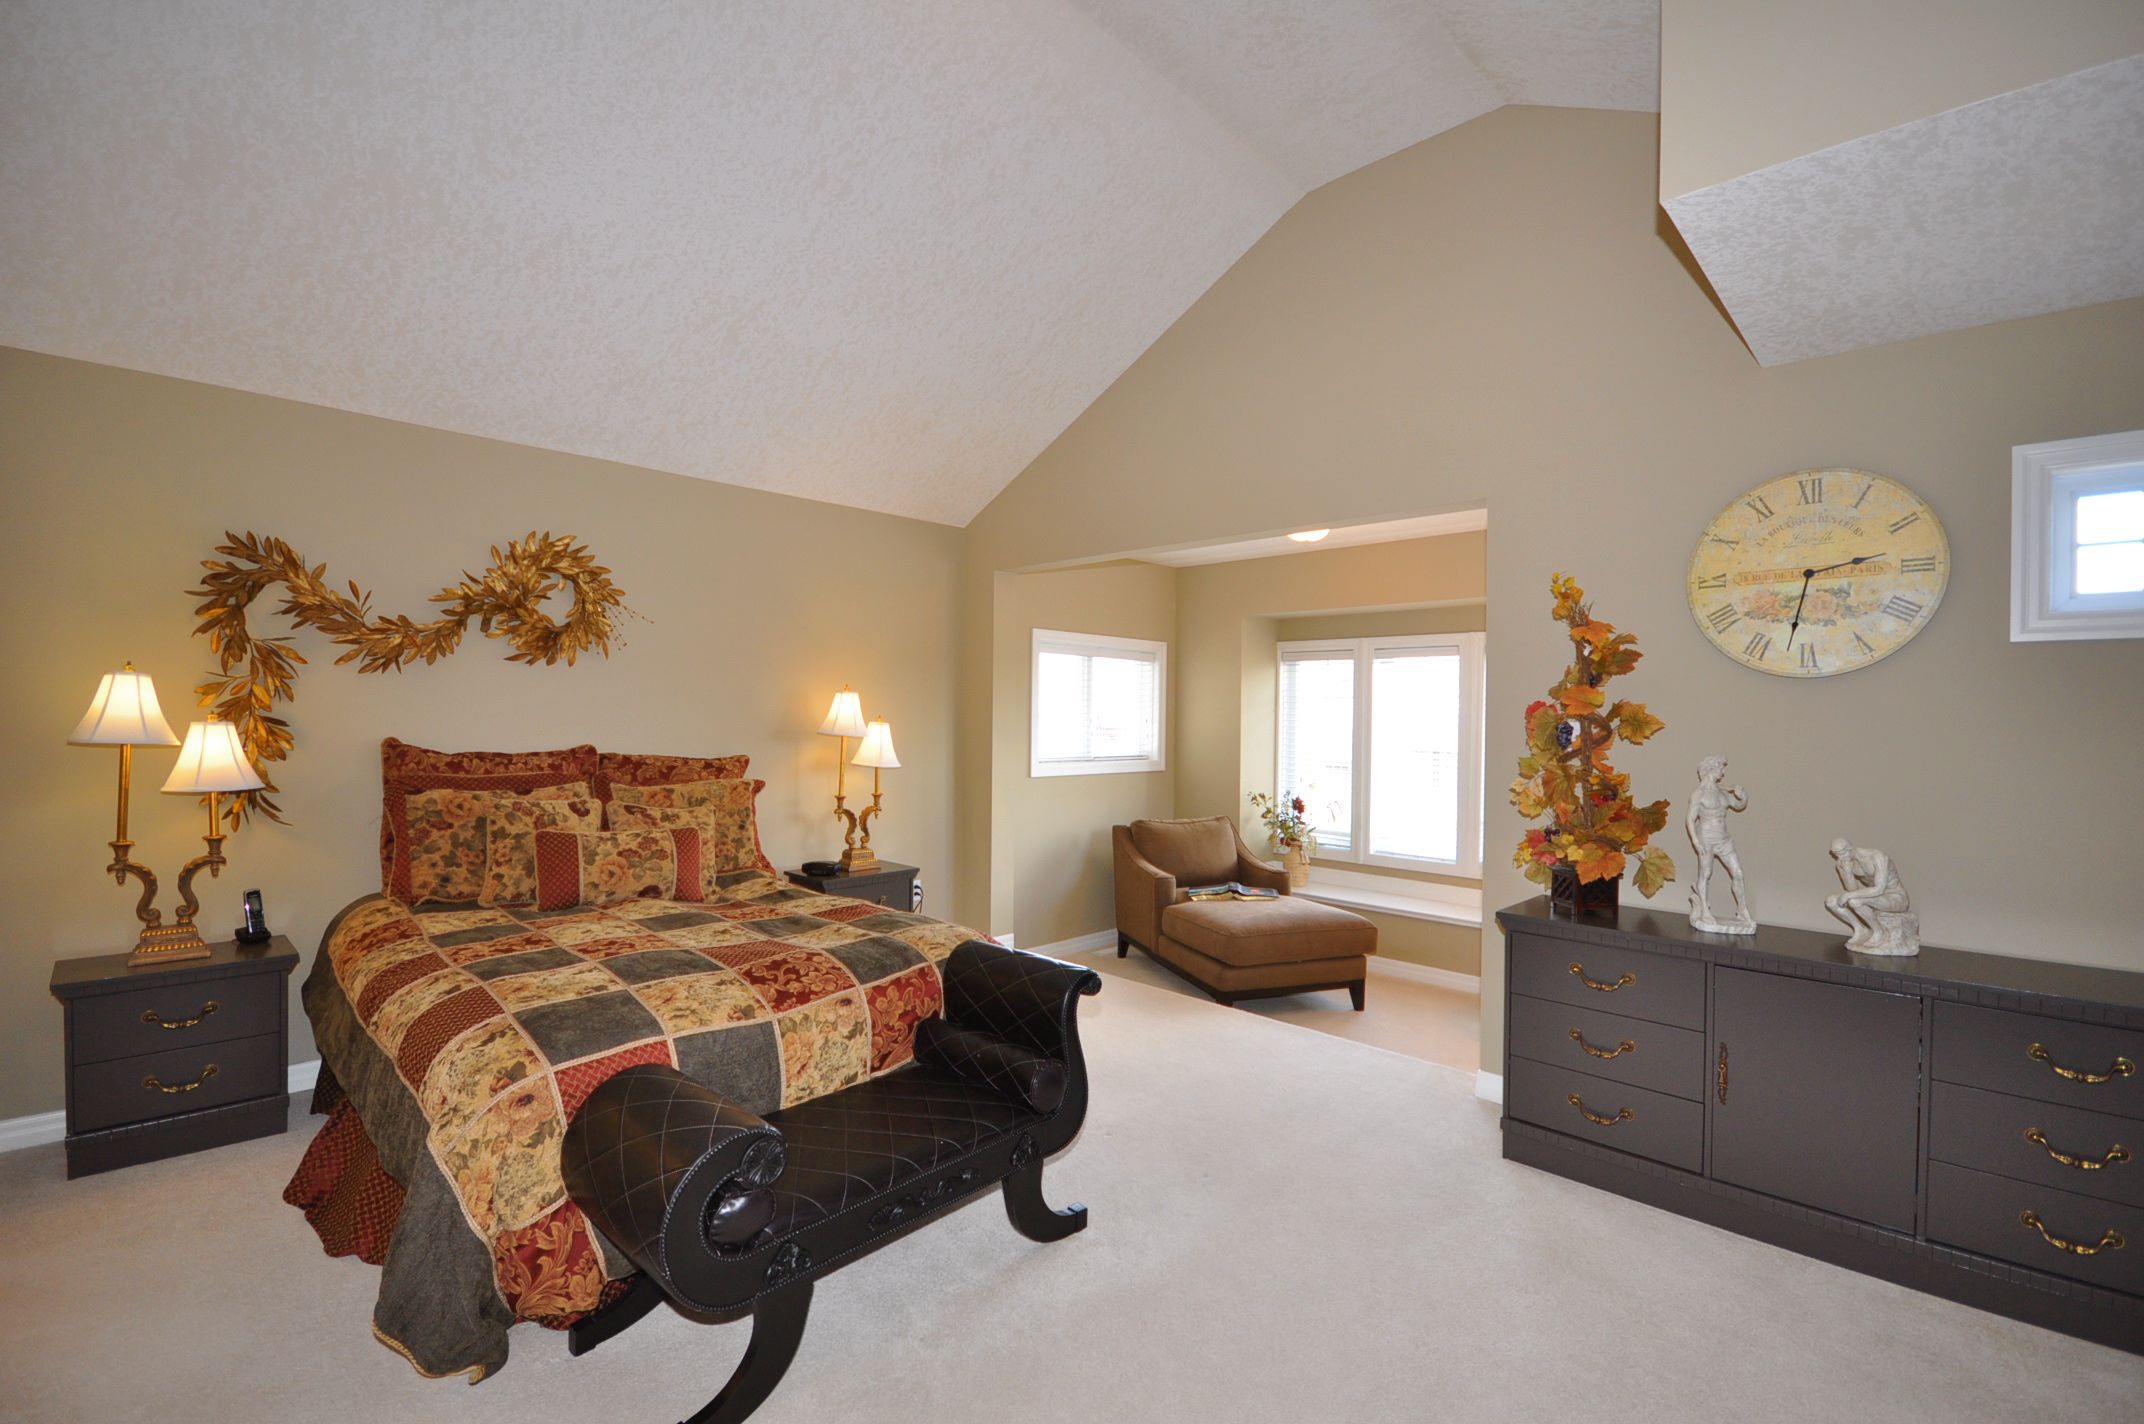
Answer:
(458, 1037)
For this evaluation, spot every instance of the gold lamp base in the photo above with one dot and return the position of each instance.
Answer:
(168, 944)
(859, 860)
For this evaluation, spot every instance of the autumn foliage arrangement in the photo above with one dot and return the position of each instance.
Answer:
(1594, 827)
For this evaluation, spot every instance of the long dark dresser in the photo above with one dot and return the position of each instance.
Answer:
(1971, 1125)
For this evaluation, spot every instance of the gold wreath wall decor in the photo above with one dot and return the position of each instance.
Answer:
(505, 601)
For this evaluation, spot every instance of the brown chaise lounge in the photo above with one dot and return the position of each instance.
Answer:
(1233, 949)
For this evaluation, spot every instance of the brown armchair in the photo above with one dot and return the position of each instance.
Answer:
(1233, 949)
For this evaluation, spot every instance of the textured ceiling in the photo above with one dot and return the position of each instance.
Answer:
(876, 254)
(2028, 202)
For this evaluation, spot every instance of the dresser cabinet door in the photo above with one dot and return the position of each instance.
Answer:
(1818, 1101)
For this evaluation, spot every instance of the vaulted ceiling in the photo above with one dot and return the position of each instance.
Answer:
(879, 254)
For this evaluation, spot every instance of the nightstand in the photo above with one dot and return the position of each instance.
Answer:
(893, 886)
(165, 1061)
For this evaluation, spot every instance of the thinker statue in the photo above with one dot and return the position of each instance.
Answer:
(1709, 836)
(1874, 902)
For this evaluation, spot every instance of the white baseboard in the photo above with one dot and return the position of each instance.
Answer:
(1489, 1087)
(36, 1129)
(1081, 944)
(1427, 974)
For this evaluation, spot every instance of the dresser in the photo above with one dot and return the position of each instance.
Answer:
(1967, 1124)
(164, 1061)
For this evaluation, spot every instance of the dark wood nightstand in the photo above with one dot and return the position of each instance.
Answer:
(893, 886)
(162, 1062)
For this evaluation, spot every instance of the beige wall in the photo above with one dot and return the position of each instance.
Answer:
(1745, 84)
(113, 485)
(1055, 829)
(1492, 316)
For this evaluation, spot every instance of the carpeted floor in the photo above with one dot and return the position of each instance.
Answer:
(1286, 1227)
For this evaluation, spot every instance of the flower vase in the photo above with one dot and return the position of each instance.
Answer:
(1297, 861)
(1568, 898)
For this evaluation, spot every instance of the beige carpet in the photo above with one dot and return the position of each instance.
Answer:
(1286, 1227)
(1426, 1021)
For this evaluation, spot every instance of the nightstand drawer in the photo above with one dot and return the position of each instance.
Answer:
(124, 1090)
(156, 1020)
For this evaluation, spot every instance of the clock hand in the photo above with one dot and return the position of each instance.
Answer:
(1807, 574)
(1846, 564)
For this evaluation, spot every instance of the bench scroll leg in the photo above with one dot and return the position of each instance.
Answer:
(1031, 1215)
(777, 1327)
(591, 1330)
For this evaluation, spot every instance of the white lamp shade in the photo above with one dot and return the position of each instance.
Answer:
(212, 760)
(845, 717)
(877, 747)
(124, 713)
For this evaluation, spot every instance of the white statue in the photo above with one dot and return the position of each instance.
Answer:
(1709, 836)
(1874, 902)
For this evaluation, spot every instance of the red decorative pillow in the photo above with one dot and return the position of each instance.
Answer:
(404, 768)
(724, 812)
(591, 867)
(650, 769)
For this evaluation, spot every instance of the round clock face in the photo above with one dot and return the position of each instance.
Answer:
(1819, 572)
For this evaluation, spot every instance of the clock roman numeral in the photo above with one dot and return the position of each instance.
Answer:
(1757, 647)
(1868, 649)
(1812, 488)
(1902, 608)
(1808, 657)
(1712, 581)
(1864, 493)
(1723, 539)
(1918, 564)
(1903, 520)
(1723, 618)
(1757, 503)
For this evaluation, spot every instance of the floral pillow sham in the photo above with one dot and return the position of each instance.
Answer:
(510, 827)
(443, 844)
(597, 867)
(725, 814)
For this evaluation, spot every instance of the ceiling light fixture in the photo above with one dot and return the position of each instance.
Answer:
(1309, 536)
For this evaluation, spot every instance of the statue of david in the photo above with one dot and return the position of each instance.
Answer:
(1706, 823)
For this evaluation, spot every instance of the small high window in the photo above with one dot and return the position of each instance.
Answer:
(1097, 705)
(2077, 539)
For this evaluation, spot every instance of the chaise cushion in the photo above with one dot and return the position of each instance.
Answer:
(1284, 931)
(1201, 852)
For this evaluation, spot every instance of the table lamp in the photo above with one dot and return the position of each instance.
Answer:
(212, 762)
(844, 719)
(125, 714)
(876, 752)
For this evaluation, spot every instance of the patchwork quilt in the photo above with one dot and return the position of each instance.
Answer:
(465, 1038)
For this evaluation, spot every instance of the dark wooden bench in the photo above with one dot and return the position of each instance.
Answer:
(728, 1214)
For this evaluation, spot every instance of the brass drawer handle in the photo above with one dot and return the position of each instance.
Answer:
(152, 1081)
(1625, 1115)
(151, 1016)
(1623, 983)
(1604, 1054)
(1720, 1079)
(2109, 1240)
(2115, 1154)
(2121, 1067)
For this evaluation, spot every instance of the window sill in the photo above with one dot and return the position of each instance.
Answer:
(1409, 899)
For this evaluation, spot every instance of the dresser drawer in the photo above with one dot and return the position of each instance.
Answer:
(2049, 1060)
(1630, 982)
(1972, 1127)
(154, 1020)
(1996, 1216)
(1624, 1050)
(1634, 1120)
(118, 1090)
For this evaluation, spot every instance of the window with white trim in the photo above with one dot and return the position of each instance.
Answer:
(1098, 705)
(2077, 538)
(1382, 739)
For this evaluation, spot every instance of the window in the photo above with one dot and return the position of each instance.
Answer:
(2077, 539)
(1382, 739)
(1097, 704)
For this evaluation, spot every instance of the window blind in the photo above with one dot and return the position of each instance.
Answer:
(1317, 740)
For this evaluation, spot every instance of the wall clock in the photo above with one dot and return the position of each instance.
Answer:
(1819, 572)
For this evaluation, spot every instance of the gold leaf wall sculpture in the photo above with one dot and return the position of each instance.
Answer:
(505, 601)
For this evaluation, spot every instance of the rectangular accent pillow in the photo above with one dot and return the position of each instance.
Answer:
(444, 832)
(405, 768)
(651, 769)
(510, 826)
(724, 812)
(593, 867)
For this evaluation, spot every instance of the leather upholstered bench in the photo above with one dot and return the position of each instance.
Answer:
(729, 1214)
